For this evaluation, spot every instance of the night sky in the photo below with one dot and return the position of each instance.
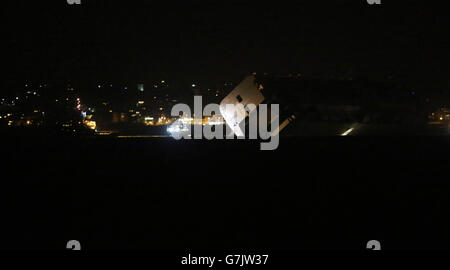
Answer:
(209, 42)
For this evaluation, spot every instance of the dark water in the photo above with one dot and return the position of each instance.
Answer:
(161, 194)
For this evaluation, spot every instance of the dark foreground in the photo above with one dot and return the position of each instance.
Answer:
(159, 194)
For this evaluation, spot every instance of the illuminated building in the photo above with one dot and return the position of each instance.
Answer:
(149, 121)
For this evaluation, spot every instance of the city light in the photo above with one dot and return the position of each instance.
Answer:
(91, 124)
(347, 132)
(162, 120)
(149, 121)
(177, 128)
